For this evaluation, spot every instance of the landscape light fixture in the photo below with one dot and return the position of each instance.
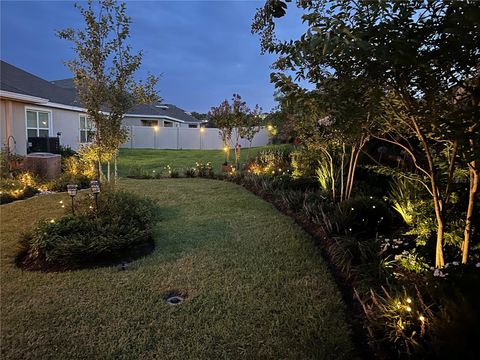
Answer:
(95, 188)
(72, 191)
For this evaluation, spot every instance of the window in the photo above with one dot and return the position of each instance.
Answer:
(38, 123)
(149, 122)
(192, 126)
(167, 123)
(87, 129)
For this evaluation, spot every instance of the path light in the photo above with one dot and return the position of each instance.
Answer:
(95, 188)
(270, 127)
(72, 191)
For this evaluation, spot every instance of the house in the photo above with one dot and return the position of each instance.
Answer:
(35, 113)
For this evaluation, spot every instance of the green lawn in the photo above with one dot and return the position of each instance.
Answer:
(257, 288)
(150, 159)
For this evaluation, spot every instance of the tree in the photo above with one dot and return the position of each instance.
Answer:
(231, 119)
(199, 116)
(104, 69)
(222, 116)
(251, 124)
(418, 52)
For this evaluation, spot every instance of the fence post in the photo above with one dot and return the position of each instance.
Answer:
(131, 137)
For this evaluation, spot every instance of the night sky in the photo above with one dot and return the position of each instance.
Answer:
(204, 50)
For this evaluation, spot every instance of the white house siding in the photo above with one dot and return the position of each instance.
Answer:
(14, 113)
(65, 121)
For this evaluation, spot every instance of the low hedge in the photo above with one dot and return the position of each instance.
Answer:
(121, 228)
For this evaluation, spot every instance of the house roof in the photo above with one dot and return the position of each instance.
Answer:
(63, 92)
(19, 81)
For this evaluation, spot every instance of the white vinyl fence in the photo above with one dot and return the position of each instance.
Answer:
(146, 137)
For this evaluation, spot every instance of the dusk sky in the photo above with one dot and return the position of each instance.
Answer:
(203, 49)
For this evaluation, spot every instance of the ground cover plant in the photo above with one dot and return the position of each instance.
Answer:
(255, 286)
(115, 226)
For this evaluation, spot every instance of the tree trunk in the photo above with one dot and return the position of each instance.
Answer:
(108, 171)
(341, 172)
(332, 176)
(355, 162)
(351, 171)
(437, 200)
(474, 175)
(115, 169)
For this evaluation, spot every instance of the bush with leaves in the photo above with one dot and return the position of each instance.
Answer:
(204, 170)
(21, 187)
(363, 216)
(271, 162)
(123, 223)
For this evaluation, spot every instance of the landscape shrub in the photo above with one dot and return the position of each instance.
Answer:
(363, 216)
(204, 170)
(271, 162)
(122, 224)
(67, 151)
(190, 172)
(350, 253)
(60, 182)
(23, 186)
(171, 172)
(305, 162)
(137, 172)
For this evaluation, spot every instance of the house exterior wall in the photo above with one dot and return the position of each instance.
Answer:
(65, 121)
(13, 112)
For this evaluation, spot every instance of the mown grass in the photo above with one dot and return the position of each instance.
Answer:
(150, 159)
(256, 286)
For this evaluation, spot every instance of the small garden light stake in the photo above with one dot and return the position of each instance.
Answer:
(95, 188)
(72, 191)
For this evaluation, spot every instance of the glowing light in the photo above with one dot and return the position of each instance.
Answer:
(90, 207)
(353, 209)
(156, 128)
(373, 207)
(52, 221)
(409, 300)
(225, 149)
(60, 202)
(421, 318)
(409, 308)
(202, 129)
(63, 206)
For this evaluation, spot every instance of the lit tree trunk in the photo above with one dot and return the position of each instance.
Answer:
(115, 168)
(437, 201)
(474, 175)
(354, 167)
(350, 171)
(108, 171)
